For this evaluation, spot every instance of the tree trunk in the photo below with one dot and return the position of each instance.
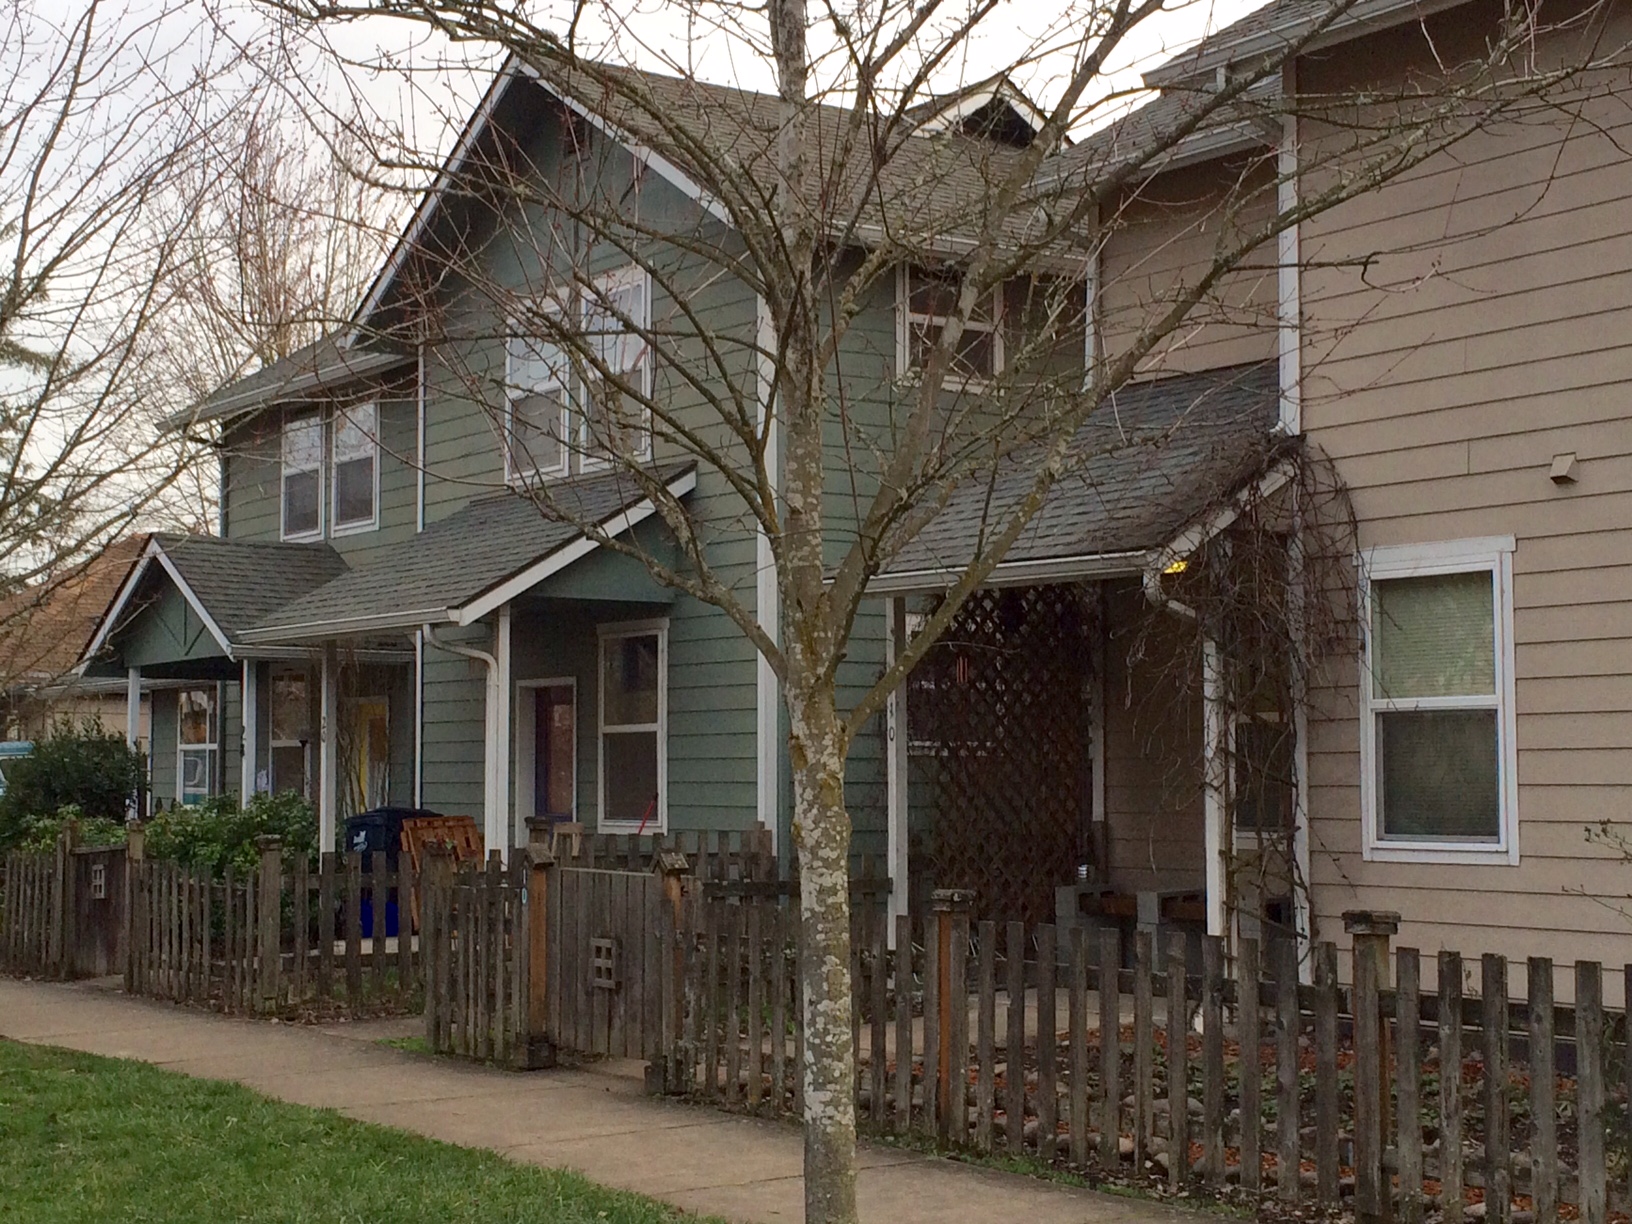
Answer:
(822, 835)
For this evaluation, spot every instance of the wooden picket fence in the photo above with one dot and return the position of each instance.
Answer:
(32, 915)
(279, 940)
(475, 929)
(989, 1038)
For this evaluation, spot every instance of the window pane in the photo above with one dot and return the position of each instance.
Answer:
(1434, 636)
(196, 717)
(354, 491)
(1263, 775)
(931, 293)
(289, 769)
(614, 424)
(291, 707)
(196, 768)
(537, 424)
(536, 364)
(631, 777)
(1438, 775)
(629, 679)
(300, 502)
(354, 433)
(303, 443)
(974, 358)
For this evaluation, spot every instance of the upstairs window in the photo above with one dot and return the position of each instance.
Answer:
(356, 468)
(615, 317)
(303, 478)
(537, 378)
(1437, 731)
(928, 301)
(196, 744)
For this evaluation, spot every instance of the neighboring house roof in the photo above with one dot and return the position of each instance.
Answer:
(459, 569)
(46, 627)
(323, 365)
(1271, 30)
(1151, 458)
(231, 584)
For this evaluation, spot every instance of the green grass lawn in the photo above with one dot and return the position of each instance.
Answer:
(86, 1138)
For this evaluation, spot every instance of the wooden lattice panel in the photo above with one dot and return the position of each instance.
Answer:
(1000, 718)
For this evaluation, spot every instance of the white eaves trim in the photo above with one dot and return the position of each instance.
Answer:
(153, 552)
(566, 555)
(1014, 573)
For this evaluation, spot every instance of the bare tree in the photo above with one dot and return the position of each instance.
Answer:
(852, 171)
(105, 111)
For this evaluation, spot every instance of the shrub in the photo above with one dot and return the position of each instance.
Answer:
(40, 833)
(80, 765)
(217, 832)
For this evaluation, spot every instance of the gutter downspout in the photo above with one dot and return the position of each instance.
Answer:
(492, 816)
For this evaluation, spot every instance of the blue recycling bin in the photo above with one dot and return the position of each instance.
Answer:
(373, 833)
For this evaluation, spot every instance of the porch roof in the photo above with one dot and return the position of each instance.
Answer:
(459, 569)
(1152, 459)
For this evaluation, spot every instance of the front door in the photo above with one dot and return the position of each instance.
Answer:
(554, 749)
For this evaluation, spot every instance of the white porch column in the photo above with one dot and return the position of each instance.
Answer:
(250, 694)
(895, 775)
(1214, 763)
(133, 707)
(498, 741)
(328, 773)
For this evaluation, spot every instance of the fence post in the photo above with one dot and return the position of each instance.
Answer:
(945, 904)
(134, 842)
(540, 1050)
(66, 902)
(1371, 931)
(270, 912)
(666, 1074)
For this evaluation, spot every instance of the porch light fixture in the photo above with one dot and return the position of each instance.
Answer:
(1177, 566)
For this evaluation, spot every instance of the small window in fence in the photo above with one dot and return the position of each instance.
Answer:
(603, 964)
(99, 882)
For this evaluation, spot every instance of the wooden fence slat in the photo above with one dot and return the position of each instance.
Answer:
(1543, 1091)
(206, 888)
(405, 927)
(733, 1007)
(1046, 1043)
(1589, 1075)
(933, 985)
(326, 901)
(1178, 1069)
(879, 980)
(711, 997)
(1212, 1056)
(231, 966)
(1014, 1040)
(378, 883)
(1248, 969)
(1144, 1063)
(781, 915)
(1450, 1088)
(903, 1021)
(1369, 1187)
(1326, 1098)
(1288, 1023)
(1498, 1145)
(354, 930)
(756, 1012)
(1110, 1049)
(1077, 1041)
(1408, 1081)
(302, 917)
(955, 1108)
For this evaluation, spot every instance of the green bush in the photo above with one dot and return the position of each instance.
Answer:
(40, 833)
(217, 832)
(78, 765)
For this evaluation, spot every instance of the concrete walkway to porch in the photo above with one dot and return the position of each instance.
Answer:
(595, 1121)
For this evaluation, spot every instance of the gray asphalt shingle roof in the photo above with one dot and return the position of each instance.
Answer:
(1149, 460)
(325, 364)
(460, 558)
(239, 582)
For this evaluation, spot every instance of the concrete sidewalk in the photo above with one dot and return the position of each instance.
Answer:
(597, 1122)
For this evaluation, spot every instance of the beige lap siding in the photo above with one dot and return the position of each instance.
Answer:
(1491, 331)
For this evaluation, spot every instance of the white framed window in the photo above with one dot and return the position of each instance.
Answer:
(302, 483)
(291, 737)
(615, 316)
(356, 483)
(537, 375)
(926, 299)
(1439, 758)
(632, 773)
(197, 742)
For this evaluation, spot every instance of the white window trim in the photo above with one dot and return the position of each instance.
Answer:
(284, 471)
(212, 747)
(1493, 554)
(605, 284)
(613, 632)
(515, 473)
(332, 457)
(526, 753)
(905, 317)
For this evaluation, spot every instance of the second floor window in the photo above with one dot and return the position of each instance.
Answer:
(537, 376)
(614, 317)
(928, 301)
(303, 478)
(356, 467)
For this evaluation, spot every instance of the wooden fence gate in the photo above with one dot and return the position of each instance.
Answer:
(62, 913)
